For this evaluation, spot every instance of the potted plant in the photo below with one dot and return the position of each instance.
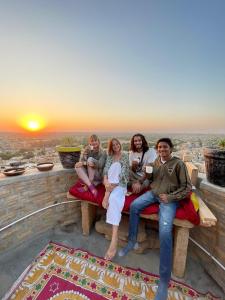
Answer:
(69, 152)
(215, 163)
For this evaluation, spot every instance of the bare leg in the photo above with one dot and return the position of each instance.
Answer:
(111, 252)
(91, 173)
(82, 174)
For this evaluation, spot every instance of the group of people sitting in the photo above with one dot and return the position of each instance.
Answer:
(166, 184)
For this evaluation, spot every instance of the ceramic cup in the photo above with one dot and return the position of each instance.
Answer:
(149, 169)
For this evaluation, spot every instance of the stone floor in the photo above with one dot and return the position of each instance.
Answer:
(13, 262)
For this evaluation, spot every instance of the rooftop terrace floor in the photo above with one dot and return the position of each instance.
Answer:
(14, 262)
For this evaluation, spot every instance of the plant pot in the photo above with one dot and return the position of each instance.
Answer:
(215, 165)
(68, 156)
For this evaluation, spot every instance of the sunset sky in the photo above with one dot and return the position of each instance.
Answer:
(121, 65)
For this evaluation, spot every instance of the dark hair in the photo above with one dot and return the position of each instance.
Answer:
(145, 146)
(164, 140)
(110, 146)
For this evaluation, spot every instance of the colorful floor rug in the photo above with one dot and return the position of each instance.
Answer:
(63, 273)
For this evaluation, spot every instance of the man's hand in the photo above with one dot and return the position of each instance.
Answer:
(136, 187)
(134, 165)
(163, 198)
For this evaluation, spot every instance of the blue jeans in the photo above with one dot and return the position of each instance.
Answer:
(167, 213)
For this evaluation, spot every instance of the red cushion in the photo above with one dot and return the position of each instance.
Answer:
(185, 211)
(87, 195)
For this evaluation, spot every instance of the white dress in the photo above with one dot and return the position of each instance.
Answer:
(117, 196)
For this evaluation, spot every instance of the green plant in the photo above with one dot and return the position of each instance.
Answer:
(6, 155)
(68, 141)
(221, 143)
(69, 152)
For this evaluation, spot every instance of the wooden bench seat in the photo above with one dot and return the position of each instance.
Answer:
(181, 227)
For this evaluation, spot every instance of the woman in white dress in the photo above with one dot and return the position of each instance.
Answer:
(116, 176)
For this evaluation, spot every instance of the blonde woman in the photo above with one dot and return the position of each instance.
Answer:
(90, 167)
(116, 175)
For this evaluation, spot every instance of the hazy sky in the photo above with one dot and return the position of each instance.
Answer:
(120, 65)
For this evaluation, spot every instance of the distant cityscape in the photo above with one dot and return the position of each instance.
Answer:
(30, 150)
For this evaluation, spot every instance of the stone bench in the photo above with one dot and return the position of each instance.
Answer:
(181, 227)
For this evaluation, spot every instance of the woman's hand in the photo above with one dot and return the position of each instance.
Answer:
(105, 203)
(105, 181)
(110, 187)
(163, 198)
(90, 164)
(79, 164)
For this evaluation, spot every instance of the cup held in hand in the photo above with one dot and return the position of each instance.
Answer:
(136, 159)
(149, 169)
(90, 159)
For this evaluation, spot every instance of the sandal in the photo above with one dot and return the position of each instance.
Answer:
(93, 190)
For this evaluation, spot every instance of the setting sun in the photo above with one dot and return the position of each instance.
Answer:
(32, 122)
(33, 125)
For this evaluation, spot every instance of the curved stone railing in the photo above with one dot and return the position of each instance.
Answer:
(33, 203)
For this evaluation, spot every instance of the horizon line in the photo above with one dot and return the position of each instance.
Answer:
(107, 132)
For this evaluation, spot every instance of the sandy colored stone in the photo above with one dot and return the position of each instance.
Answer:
(104, 228)
(28, 194)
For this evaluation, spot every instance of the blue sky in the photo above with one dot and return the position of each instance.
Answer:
(152, 66)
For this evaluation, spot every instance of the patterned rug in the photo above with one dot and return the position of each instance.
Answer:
(63, 273)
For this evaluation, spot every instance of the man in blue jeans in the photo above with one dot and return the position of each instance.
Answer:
(170, 183)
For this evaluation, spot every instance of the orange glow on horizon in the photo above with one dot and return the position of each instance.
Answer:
(32, 123)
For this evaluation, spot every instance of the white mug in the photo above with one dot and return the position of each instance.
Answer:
(149, 169)
(90, 159)
(137, 159)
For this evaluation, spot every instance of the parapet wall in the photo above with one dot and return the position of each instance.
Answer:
(25, 198)
(212, 239)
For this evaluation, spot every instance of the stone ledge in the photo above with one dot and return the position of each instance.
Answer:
(215, 189)
(33, 174)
